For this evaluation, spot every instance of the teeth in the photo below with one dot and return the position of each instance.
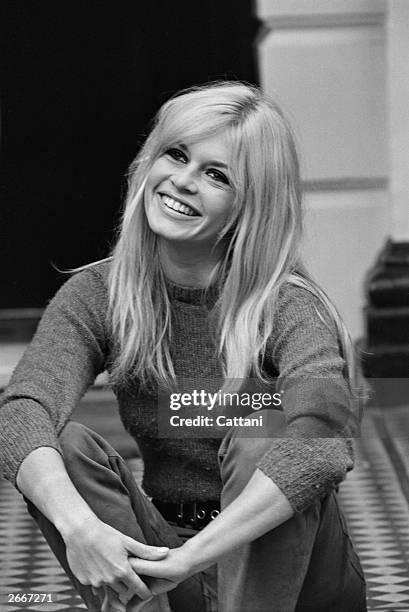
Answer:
(178, 206)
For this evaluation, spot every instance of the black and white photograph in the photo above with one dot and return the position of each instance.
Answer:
(204, 306)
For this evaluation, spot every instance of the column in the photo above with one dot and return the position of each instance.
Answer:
(325, 62)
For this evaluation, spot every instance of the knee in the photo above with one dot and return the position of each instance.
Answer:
(73, 438)
(79, 447)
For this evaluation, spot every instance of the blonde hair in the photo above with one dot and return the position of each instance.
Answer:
(263, 234)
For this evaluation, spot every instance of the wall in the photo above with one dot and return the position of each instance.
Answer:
(326, 63)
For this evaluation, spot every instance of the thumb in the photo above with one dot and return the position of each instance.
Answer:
(145, 551)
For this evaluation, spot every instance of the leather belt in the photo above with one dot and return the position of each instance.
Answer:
(189, 514)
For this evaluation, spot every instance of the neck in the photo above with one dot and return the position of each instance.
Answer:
(190, 265)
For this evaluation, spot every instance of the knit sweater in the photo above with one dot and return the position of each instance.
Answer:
(73, 345)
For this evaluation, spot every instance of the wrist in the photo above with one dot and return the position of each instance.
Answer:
(80, 524)
(192, 556)
(183, 559)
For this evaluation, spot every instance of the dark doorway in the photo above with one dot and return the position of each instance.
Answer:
(80, 82)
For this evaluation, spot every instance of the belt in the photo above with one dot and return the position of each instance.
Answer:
(189, 514)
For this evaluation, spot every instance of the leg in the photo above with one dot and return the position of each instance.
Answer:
(305, 565)
(105, 482)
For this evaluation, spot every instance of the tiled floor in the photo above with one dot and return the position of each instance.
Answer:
(375, 501)
(375, 497)
(27, 565)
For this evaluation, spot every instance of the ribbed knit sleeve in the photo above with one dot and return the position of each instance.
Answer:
(62, 361)
(314, 451)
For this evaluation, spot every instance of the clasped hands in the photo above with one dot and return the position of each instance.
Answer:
(112, 563)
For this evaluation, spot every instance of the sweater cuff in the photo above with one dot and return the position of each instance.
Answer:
(305, 469)
(25, 427)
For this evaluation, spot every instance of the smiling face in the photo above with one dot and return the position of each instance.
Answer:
(188, 192)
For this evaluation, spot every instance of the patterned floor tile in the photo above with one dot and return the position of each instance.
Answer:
(377, 511)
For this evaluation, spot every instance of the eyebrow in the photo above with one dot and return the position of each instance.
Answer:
(211, 162)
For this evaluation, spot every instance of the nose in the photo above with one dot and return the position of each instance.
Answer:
(184, 179)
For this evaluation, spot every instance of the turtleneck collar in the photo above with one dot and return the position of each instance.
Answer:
(196, 296)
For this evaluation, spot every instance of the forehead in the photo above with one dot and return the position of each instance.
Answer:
(215, 146)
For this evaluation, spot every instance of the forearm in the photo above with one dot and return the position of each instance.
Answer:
(43, 479)
(259, 508)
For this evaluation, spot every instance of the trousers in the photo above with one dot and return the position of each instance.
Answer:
(307, 564)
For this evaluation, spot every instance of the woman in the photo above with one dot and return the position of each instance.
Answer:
(204, 284)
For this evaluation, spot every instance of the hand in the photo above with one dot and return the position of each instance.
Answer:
(165, 574)
(99, 555)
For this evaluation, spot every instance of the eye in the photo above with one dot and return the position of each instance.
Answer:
(176, 154)
(218, 176)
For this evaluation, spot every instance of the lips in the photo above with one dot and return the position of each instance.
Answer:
(178, 206)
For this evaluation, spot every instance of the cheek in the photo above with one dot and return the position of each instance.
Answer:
(156, 174)
(225, 207)
(152, 179)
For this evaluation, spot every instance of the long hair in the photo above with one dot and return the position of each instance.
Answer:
(263, 234)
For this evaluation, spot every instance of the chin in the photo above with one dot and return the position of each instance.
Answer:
(161, 230)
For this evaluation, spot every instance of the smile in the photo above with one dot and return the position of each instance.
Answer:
(177, 206)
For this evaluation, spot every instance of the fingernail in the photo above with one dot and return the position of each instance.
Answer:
(163, 549)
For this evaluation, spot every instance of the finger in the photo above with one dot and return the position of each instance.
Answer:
(161, 585)
(135, 586)
(137, 605)
(99, 592)
(126, 593)
(144, 551)
(111, 602)
(146, 568)
(119, 586)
